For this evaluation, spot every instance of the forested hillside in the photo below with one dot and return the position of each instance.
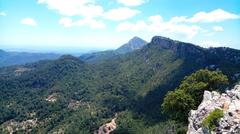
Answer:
(71, 95)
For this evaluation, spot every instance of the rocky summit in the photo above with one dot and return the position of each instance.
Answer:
(133, 44)
(228, 102)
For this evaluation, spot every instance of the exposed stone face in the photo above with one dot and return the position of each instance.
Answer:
(108, 127)
(52, 98)
(165, 43)
(229, 102)
(20, 70)
(181, 49)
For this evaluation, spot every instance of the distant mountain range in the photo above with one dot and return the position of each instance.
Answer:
(78, 95)
(18, 58)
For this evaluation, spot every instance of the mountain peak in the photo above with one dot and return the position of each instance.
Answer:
(135, 38)
(165, 42)
(67, 56)
(133, 44)
(70, 58)
(160, 37)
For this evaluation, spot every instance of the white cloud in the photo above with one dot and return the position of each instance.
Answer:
(178, 19)
(85, 8)
(66, 22)
(156, 19)
(127, 26)
(178, 26)
(88, 10)
(218, 28)
(217, 15)
(28, 21)
(3, 14)
(131, 2)
(210, 43)
(157, 25)
(119, 14)
(94, 24)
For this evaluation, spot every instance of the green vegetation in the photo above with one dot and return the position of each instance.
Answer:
(189, 94)
(212, 120)
(177, 104)
(103, 89)
(131, 124)
(133, 85)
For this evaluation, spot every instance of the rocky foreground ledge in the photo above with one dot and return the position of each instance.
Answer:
(228, 103)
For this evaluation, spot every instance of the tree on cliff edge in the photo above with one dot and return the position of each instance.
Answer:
(189, 94)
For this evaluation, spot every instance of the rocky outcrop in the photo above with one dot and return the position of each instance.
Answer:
(228, 102)
(52, 98)
(108, 127)
(20, 70)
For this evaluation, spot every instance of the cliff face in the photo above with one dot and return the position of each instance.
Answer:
(228, 102)
(181, 49)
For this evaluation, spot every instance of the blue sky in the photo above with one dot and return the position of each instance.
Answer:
(79, 25)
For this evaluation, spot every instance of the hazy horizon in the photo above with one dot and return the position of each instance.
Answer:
(62, 50)
(78, 50)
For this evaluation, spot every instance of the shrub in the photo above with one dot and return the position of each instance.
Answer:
(212, 120)
(176, 105)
